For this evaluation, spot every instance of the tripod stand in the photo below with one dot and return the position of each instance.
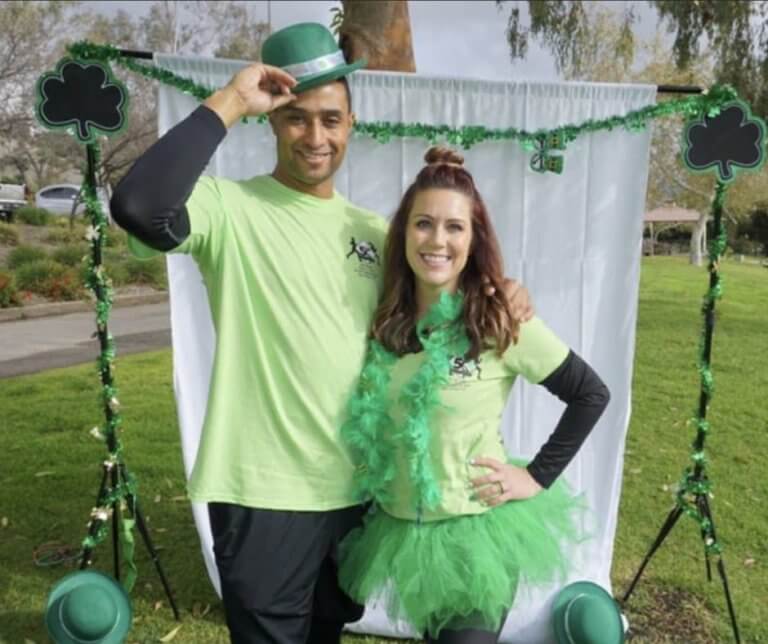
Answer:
(114, 478)
(693, 492)
(702, 509)
(117, 485)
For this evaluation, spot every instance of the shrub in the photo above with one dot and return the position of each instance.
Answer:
(70, 254)
(9, 296)
(24, 255)
(116, 237)
(50, 279)
(32, 216)
(150, 272)
(66, 235)
(9, 236)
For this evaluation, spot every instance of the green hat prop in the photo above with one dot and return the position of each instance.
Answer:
(88, 607)
(308, 52)
(584, 613)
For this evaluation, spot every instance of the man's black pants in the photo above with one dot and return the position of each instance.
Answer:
(278, 573)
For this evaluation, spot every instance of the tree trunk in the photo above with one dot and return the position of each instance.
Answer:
(380, 31)
(698, 239)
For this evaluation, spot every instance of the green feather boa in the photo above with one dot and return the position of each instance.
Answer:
(369, 430)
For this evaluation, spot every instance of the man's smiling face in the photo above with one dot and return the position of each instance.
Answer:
(312, 134)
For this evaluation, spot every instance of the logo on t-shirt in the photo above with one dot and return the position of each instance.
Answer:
(365, 251)
(367, 257)
(463, 370)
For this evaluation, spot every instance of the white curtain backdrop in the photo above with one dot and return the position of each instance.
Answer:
(573, 239)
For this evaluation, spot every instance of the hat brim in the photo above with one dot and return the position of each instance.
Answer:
(573, 590)
(310, 82)
(74, 580)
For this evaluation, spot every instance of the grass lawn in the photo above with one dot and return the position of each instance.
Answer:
(50, 471)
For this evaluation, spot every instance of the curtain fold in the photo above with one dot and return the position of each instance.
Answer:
(573, 239)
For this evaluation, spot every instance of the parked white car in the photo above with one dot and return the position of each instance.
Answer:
(60, 198)
(12, 197)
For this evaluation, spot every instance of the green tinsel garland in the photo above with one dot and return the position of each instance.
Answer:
(695, 481)
(114, 492)
(369, 429)
(539, 141)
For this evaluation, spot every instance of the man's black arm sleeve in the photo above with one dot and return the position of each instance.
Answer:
(149, 200)
(576, 384)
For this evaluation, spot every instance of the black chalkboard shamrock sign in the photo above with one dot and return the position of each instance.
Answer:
(727, 142)
(82, 96)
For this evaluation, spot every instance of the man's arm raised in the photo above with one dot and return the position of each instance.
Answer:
(149, 201)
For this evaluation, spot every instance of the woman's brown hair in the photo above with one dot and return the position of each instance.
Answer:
(487, 318)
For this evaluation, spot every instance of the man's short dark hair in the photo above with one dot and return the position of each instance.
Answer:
(343, 81)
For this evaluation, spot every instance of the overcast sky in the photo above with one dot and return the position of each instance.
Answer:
(450, 37)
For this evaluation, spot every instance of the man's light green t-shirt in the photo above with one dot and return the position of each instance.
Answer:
(292, 281)
(467, 424)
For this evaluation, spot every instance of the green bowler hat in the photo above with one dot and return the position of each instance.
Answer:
(308, 52)
(88, 607)
(584, 613)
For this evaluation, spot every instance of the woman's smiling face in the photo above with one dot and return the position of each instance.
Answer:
(438, 238)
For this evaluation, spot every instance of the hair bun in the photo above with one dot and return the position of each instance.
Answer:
(438, 154)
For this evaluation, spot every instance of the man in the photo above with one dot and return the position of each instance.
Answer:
(291, 304)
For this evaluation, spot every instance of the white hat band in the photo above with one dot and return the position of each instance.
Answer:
(316, 65)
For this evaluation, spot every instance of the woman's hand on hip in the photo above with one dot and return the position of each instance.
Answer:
(503, 483)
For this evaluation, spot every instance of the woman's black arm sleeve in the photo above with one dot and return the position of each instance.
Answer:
(576, 384)
(149, 201)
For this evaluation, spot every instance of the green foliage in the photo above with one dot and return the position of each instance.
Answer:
(754, 230)
(734, 33)
(50, 279)
(66, 235)
(141, 271)
(9, 234)
(24, 255)
(32, 216)
(116, 238)
(70, 254)
(8, 294)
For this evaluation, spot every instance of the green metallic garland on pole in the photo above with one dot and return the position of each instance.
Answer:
(695, 481)
(115, 492)
(540, 141)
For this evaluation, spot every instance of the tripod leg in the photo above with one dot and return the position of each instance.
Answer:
(707, 512)
(85, 560)
(115, 526)
(666, 528)
(136, 512)
(701, 504)
(728, 600)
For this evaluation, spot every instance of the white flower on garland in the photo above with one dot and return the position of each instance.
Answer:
(101, 514)
(92, 233)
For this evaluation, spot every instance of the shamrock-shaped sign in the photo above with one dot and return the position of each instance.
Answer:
(83, 96)
(729, 141)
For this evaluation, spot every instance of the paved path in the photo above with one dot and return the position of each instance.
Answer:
(29, 346)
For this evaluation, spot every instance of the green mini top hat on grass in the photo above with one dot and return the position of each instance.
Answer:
(308, 52)
(88, 607)
(584, 613)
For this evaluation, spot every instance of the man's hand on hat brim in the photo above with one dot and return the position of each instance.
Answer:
(254, 90)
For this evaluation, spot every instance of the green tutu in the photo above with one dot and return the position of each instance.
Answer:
(463, 571)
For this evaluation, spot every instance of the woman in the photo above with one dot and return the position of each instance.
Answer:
(456, 526)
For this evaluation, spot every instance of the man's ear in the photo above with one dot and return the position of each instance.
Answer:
(352, 120)
(271, 118)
